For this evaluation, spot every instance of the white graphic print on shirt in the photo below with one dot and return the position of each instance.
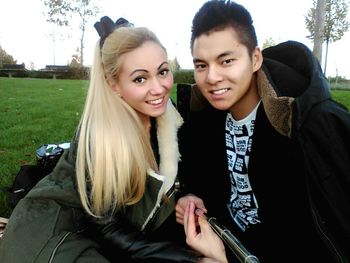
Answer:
(243, 206)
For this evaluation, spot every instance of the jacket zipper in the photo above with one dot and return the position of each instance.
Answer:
(168, 194)
(56, 247)
(319, 227)
(61, 241)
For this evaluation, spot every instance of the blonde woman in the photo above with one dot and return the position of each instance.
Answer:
(114, 189)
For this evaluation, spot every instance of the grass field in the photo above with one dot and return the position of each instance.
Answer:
(34, 112)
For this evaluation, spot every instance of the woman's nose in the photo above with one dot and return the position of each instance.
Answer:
(157, 87)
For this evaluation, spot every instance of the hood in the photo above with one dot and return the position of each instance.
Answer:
(290, 83)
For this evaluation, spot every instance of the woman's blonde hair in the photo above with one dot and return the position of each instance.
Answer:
(114, 151)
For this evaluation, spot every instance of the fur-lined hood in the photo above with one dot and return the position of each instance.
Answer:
(290, 83)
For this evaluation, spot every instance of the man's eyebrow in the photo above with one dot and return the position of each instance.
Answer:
(197, 60)
(223, 54)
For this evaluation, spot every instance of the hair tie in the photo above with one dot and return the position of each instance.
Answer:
(106, 26)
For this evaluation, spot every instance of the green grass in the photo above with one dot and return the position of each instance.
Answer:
(34, 112)
(342, 96)
(40, 111)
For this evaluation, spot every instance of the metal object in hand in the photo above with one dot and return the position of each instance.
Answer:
(232, 242)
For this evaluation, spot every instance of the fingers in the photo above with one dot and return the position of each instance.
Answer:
(185, 219)
(182, 203)
(198, 202)
(191, 220)
(180, 211)
(204, 224)
(190, 225)
(199, 212)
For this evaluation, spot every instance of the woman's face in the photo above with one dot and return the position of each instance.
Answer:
(145, 80)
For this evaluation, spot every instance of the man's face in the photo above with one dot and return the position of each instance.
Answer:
(224, 71)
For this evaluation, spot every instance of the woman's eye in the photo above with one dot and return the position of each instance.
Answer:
(164, 72)
(139, 80)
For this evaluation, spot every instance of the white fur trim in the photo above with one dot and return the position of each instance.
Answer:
(168, 125)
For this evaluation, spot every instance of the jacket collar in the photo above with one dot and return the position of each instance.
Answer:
(158, 184)
(167, 127)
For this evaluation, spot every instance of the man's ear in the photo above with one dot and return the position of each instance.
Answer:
(257, 59)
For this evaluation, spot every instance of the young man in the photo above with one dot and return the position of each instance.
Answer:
(269, 155)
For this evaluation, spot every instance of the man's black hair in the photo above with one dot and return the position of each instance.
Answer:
(218, 14)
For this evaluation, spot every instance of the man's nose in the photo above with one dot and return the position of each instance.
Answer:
(213, 75)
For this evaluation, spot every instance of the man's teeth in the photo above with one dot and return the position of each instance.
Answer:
(154, 102)
(218, 92)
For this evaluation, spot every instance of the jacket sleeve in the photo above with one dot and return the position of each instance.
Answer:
(325, 139)
(120, 238)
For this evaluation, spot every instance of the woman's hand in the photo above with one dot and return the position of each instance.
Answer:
(182, 204)
(204, 239)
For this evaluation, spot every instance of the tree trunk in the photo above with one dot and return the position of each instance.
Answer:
(82, 45)
(319, 26)
(325, 60)
(82, 52)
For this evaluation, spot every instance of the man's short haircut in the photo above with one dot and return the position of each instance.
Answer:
(216, 15)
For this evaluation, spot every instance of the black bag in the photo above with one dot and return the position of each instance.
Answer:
(29, 175)
(26, 178)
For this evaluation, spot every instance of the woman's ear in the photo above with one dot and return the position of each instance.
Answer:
(114, 86)
(257, 58)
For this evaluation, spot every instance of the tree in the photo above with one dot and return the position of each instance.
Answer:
(57, 12)
(6, 58)
(174, 64)
(269, 42)
(319, 25)
(85, 9)
(335, 22)
(76, 60)
(62, 12)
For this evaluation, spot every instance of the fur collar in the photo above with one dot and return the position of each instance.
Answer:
(167, 127)
(278, 108)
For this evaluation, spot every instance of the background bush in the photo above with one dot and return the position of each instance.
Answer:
(184, 76)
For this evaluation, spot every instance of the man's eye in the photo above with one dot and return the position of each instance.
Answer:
(199, 66)
(227, 61)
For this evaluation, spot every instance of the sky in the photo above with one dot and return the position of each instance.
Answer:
(25, 34)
